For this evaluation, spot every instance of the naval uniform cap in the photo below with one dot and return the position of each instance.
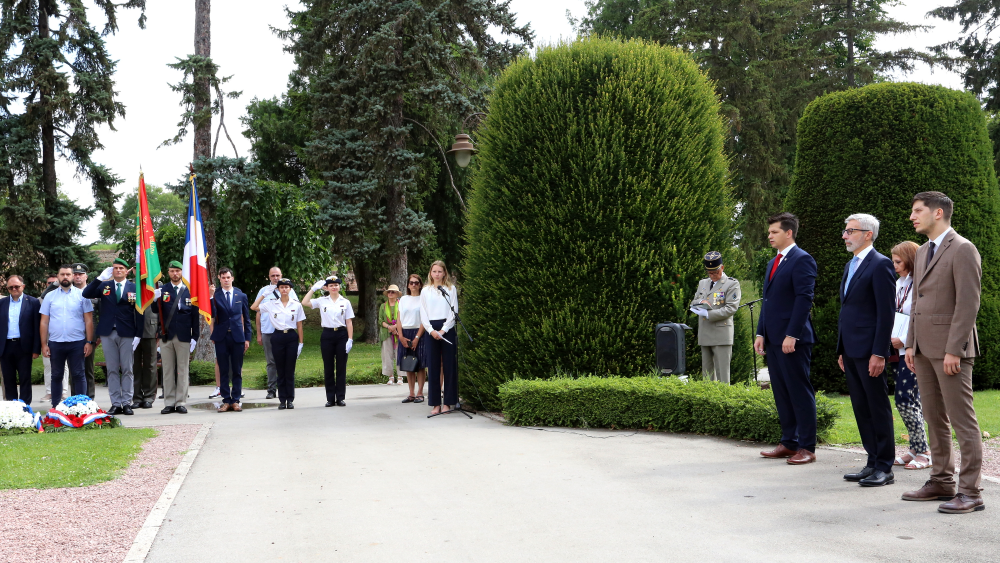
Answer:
(713, 260)
(284, 281)
(80, 268)
(334, 279)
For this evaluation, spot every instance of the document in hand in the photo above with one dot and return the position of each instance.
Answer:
(901, 326)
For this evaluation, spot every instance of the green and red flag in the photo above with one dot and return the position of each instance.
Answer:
(147, 261)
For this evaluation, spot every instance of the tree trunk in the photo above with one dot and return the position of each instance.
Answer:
(49, 184)
(850, 43)
(203, 149)
(396, 203)
(367, 302)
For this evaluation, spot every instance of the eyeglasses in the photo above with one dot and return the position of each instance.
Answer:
(414, 283)
(850, 232)
(14, 286)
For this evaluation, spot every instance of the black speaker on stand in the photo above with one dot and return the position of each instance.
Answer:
(670, 350)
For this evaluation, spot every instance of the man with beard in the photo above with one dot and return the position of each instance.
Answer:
(67, 331)
(181, 327)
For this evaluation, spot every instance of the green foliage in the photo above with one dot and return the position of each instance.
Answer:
(745, 412)
(601, 185)
(869, 151)
(278, 131)
(979, 60)
(165, 207)
(200, 72)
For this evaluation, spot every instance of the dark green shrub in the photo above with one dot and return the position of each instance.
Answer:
(314, 378)
(869, 151)
(602, 183)
(201, 373)
(735, 411)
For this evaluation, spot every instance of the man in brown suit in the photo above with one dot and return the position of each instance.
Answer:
(941, 345)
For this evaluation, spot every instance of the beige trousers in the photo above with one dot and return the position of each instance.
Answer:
(715, 362)
(176, 358)
(948, 398)
(389, 358)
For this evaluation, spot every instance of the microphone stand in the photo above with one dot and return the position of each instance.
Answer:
(750, 304)
(458, 406)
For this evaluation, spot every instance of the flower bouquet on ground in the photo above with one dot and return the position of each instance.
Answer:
(18, 418)
(78, 411)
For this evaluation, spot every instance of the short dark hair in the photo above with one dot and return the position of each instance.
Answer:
(936, 200)
(66, 267)
(788, 222)
(226, 270)
(47, 276)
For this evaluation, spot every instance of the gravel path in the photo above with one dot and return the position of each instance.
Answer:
(96, 523)
(991, 458)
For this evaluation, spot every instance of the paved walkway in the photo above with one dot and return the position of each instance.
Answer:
(377, 481)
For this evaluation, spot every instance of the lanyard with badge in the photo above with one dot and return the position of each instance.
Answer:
(901, 297)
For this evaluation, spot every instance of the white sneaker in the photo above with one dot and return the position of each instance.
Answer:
(215, 395)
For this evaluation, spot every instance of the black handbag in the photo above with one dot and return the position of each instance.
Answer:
(409, 361)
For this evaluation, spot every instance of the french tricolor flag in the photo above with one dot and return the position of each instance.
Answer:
(195, 259)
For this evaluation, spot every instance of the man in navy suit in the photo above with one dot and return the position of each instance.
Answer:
(20, 343)
(785, 333)
(231, 334)
(867, 312)
(181, 322)
(119, 327)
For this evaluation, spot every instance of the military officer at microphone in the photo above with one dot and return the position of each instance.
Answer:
(715, 303)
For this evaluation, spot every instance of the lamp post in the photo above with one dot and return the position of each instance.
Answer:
(463, 149)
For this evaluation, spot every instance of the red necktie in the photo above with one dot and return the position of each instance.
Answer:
(774, 267)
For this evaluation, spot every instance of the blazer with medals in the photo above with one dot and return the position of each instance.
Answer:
(723, 301)
(788, 298)
(946, 296)
(235, 318)
(116, 314)
(179, 318)
(867, 308)
(29, 320)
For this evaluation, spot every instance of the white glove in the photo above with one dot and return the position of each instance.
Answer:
(350, 344)
(299, 353)
(193, 344)
(702, 313)
(156, 293)
(106, 274)
(318, 285)
(135, 343)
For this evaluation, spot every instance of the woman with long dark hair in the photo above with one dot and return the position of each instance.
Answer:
(411, 334)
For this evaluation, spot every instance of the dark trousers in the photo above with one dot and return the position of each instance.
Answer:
(15, 364)
(333, 346)
(441, 354)
(284, 347)
(229, 354)
(144, 370)
(63, 355)
(872, 410)
(793, 395)
(88, 368)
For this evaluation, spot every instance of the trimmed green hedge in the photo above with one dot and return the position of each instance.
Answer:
(870, 150)
(315, 378)
(745, 412)
(601, 185)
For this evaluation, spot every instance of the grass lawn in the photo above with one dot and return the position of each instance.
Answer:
(845, 430)
(68, 459)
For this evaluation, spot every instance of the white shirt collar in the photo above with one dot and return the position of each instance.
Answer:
(861, 255)
(784, 251)
(937, 242)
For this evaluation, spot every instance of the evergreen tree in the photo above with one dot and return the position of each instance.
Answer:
(980, 54)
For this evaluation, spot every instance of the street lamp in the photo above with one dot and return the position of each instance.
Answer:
(463, 149)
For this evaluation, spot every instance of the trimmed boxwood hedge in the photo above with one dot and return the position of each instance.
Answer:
(602, 183)
(869, 151)
(656, 403)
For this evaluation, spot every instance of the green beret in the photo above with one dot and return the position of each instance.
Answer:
(175, 264)
(120, 261)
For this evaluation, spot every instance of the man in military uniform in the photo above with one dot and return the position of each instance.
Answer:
(715, 303)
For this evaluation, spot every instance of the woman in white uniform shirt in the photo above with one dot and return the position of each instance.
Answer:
(286, 315)
(337, 339)
(437, 301)
(411, 334)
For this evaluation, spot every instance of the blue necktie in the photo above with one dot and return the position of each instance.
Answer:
(850, 273)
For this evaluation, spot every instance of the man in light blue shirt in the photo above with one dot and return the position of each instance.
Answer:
(265, 329)
(67, 330)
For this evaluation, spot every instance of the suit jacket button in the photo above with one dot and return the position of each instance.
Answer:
(921, 295)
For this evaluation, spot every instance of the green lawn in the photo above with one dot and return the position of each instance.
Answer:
(68, 459)
(845, 431)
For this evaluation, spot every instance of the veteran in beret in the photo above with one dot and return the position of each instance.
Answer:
(715, 303)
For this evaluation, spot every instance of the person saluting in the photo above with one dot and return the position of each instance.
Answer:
(286, 316)
(337, 339)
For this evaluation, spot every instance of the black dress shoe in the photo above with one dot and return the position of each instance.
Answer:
(127, 410)
(860, 474)
(289, 405)
(147, 405)
(341, 403)
(282, 406)
(329, 404)
(137, 405)
(168, 410)
(161, 396)
(878, 479)
(115, 410)
(271, 395)
(181, 409)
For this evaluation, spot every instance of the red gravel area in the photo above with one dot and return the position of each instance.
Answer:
(36, 525)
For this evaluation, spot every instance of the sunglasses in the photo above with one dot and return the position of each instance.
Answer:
(14, 286)
(414, 283)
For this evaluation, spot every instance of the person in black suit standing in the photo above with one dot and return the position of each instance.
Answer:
(20, 343)
(785, 333)
(119, 326)
(231, 334)
(864, 335)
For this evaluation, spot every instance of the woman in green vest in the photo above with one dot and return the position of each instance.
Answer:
(388, 333)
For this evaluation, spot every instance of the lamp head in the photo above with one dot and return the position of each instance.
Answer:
(463, 149)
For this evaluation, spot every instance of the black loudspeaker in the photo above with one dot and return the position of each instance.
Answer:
(670, 350)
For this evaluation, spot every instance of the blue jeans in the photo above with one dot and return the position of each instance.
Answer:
(71, 353)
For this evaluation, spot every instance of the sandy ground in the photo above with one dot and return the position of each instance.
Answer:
(95, 523)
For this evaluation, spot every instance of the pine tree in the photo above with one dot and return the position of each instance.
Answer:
(980, 54)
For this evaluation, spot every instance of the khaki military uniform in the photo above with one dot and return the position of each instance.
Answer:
(715, 334)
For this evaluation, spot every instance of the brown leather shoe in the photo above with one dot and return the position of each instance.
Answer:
(932, 490)
(225, 407)
(801, 457)
(779, 452)
(962, 504)
(237, 407)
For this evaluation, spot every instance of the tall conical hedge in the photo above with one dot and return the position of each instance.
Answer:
(871, 150)
(602, 183)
